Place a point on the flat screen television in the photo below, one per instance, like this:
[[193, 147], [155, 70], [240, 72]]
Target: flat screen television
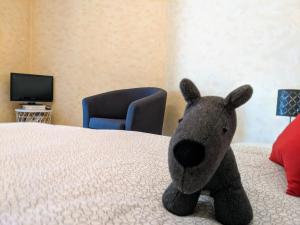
[[31, 88]]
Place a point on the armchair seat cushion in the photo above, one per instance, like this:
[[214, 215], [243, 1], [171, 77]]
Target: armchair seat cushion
[[104, 123]]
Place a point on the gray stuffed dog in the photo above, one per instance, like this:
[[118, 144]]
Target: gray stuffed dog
[[200, 157]]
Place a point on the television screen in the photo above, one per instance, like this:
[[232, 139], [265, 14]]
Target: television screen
[[31, 88]]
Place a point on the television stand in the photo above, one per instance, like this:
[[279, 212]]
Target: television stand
[[31, 103], [32, 115]]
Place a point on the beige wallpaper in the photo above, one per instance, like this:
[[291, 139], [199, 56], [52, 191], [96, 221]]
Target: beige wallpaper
[[99, 45], [14, 49], [223, 44]]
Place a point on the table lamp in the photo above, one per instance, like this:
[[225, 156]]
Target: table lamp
[[288, 103]]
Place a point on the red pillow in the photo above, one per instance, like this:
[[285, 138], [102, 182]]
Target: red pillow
[[286, 152]]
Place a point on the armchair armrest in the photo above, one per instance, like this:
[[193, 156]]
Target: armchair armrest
[[147, 114], [91, 107]]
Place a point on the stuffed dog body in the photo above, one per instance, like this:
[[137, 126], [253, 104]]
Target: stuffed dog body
[[200, 157]]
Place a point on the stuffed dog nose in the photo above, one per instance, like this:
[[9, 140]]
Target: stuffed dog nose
[[189, 153]]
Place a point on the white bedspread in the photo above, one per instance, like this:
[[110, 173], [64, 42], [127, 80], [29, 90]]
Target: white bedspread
[[67, 175]]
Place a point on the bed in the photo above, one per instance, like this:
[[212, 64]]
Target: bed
[[69, 175]]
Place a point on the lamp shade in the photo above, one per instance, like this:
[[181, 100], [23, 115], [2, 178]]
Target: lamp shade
[[288, 102]]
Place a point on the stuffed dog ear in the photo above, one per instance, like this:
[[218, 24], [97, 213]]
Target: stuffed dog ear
[[239, 96], [189, 91]]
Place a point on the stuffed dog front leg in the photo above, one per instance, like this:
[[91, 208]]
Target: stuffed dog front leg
[[231, 203]]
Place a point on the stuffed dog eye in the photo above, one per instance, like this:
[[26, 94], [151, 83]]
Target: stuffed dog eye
[[179, 120], [225, 129]]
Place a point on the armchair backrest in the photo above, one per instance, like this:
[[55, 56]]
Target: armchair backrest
[[114, 104]]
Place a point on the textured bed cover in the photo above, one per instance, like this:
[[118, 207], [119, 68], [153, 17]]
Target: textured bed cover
[[68, 175]]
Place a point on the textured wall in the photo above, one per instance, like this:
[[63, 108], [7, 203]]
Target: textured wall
[[99, 45], [14, 48], [96, 46], [223, 44]]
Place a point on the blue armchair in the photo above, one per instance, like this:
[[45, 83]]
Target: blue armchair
[[137, 109]]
